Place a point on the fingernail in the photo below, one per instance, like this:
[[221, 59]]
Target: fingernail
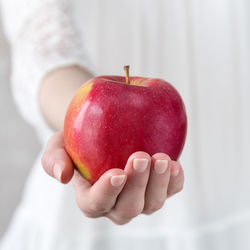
[[58, 172], [160, 166], [175, 172], [117, 180], [140, 165]]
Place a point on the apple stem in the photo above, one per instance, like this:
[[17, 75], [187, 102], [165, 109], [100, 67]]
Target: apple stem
[[126, 68]]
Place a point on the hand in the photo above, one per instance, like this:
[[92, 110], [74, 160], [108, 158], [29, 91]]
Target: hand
[[120, 195]]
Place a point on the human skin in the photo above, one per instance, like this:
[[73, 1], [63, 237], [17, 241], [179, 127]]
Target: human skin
[[120, 194]]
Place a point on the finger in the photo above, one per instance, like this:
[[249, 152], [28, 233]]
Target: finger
[[158, 183], [176, 180], [55, 160], [80, 183], [130, 202], [97, 200]]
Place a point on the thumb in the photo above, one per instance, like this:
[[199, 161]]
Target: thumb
[[55, 160]]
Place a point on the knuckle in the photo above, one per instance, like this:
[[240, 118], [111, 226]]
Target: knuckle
[[151, 207], [140, 184], [129, 213], [89, 212], [90, 215], [121, 222], [178, 189], [97, 208]]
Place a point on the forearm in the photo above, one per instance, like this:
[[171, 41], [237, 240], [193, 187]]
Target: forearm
[[56, 92]]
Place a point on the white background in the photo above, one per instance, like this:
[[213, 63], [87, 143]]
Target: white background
[[18, 143]]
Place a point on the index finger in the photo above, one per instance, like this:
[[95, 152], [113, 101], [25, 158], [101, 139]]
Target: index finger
[[97, 199]]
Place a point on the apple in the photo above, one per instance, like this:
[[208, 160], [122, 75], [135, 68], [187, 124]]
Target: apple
[[111, 117]]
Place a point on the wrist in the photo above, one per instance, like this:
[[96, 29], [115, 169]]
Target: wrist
[[56, 92]]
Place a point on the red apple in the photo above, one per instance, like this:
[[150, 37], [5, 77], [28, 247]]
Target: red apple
[[111, 117]]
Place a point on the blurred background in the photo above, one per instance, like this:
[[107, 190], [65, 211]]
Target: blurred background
[[18, 143], [209, 45]]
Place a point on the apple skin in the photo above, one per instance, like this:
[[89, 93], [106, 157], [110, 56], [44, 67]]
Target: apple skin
[[108, 120]]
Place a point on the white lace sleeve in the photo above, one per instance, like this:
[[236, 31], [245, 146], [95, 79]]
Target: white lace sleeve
[[42, 37]]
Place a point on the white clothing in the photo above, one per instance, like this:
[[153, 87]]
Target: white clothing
[[202, 48]]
